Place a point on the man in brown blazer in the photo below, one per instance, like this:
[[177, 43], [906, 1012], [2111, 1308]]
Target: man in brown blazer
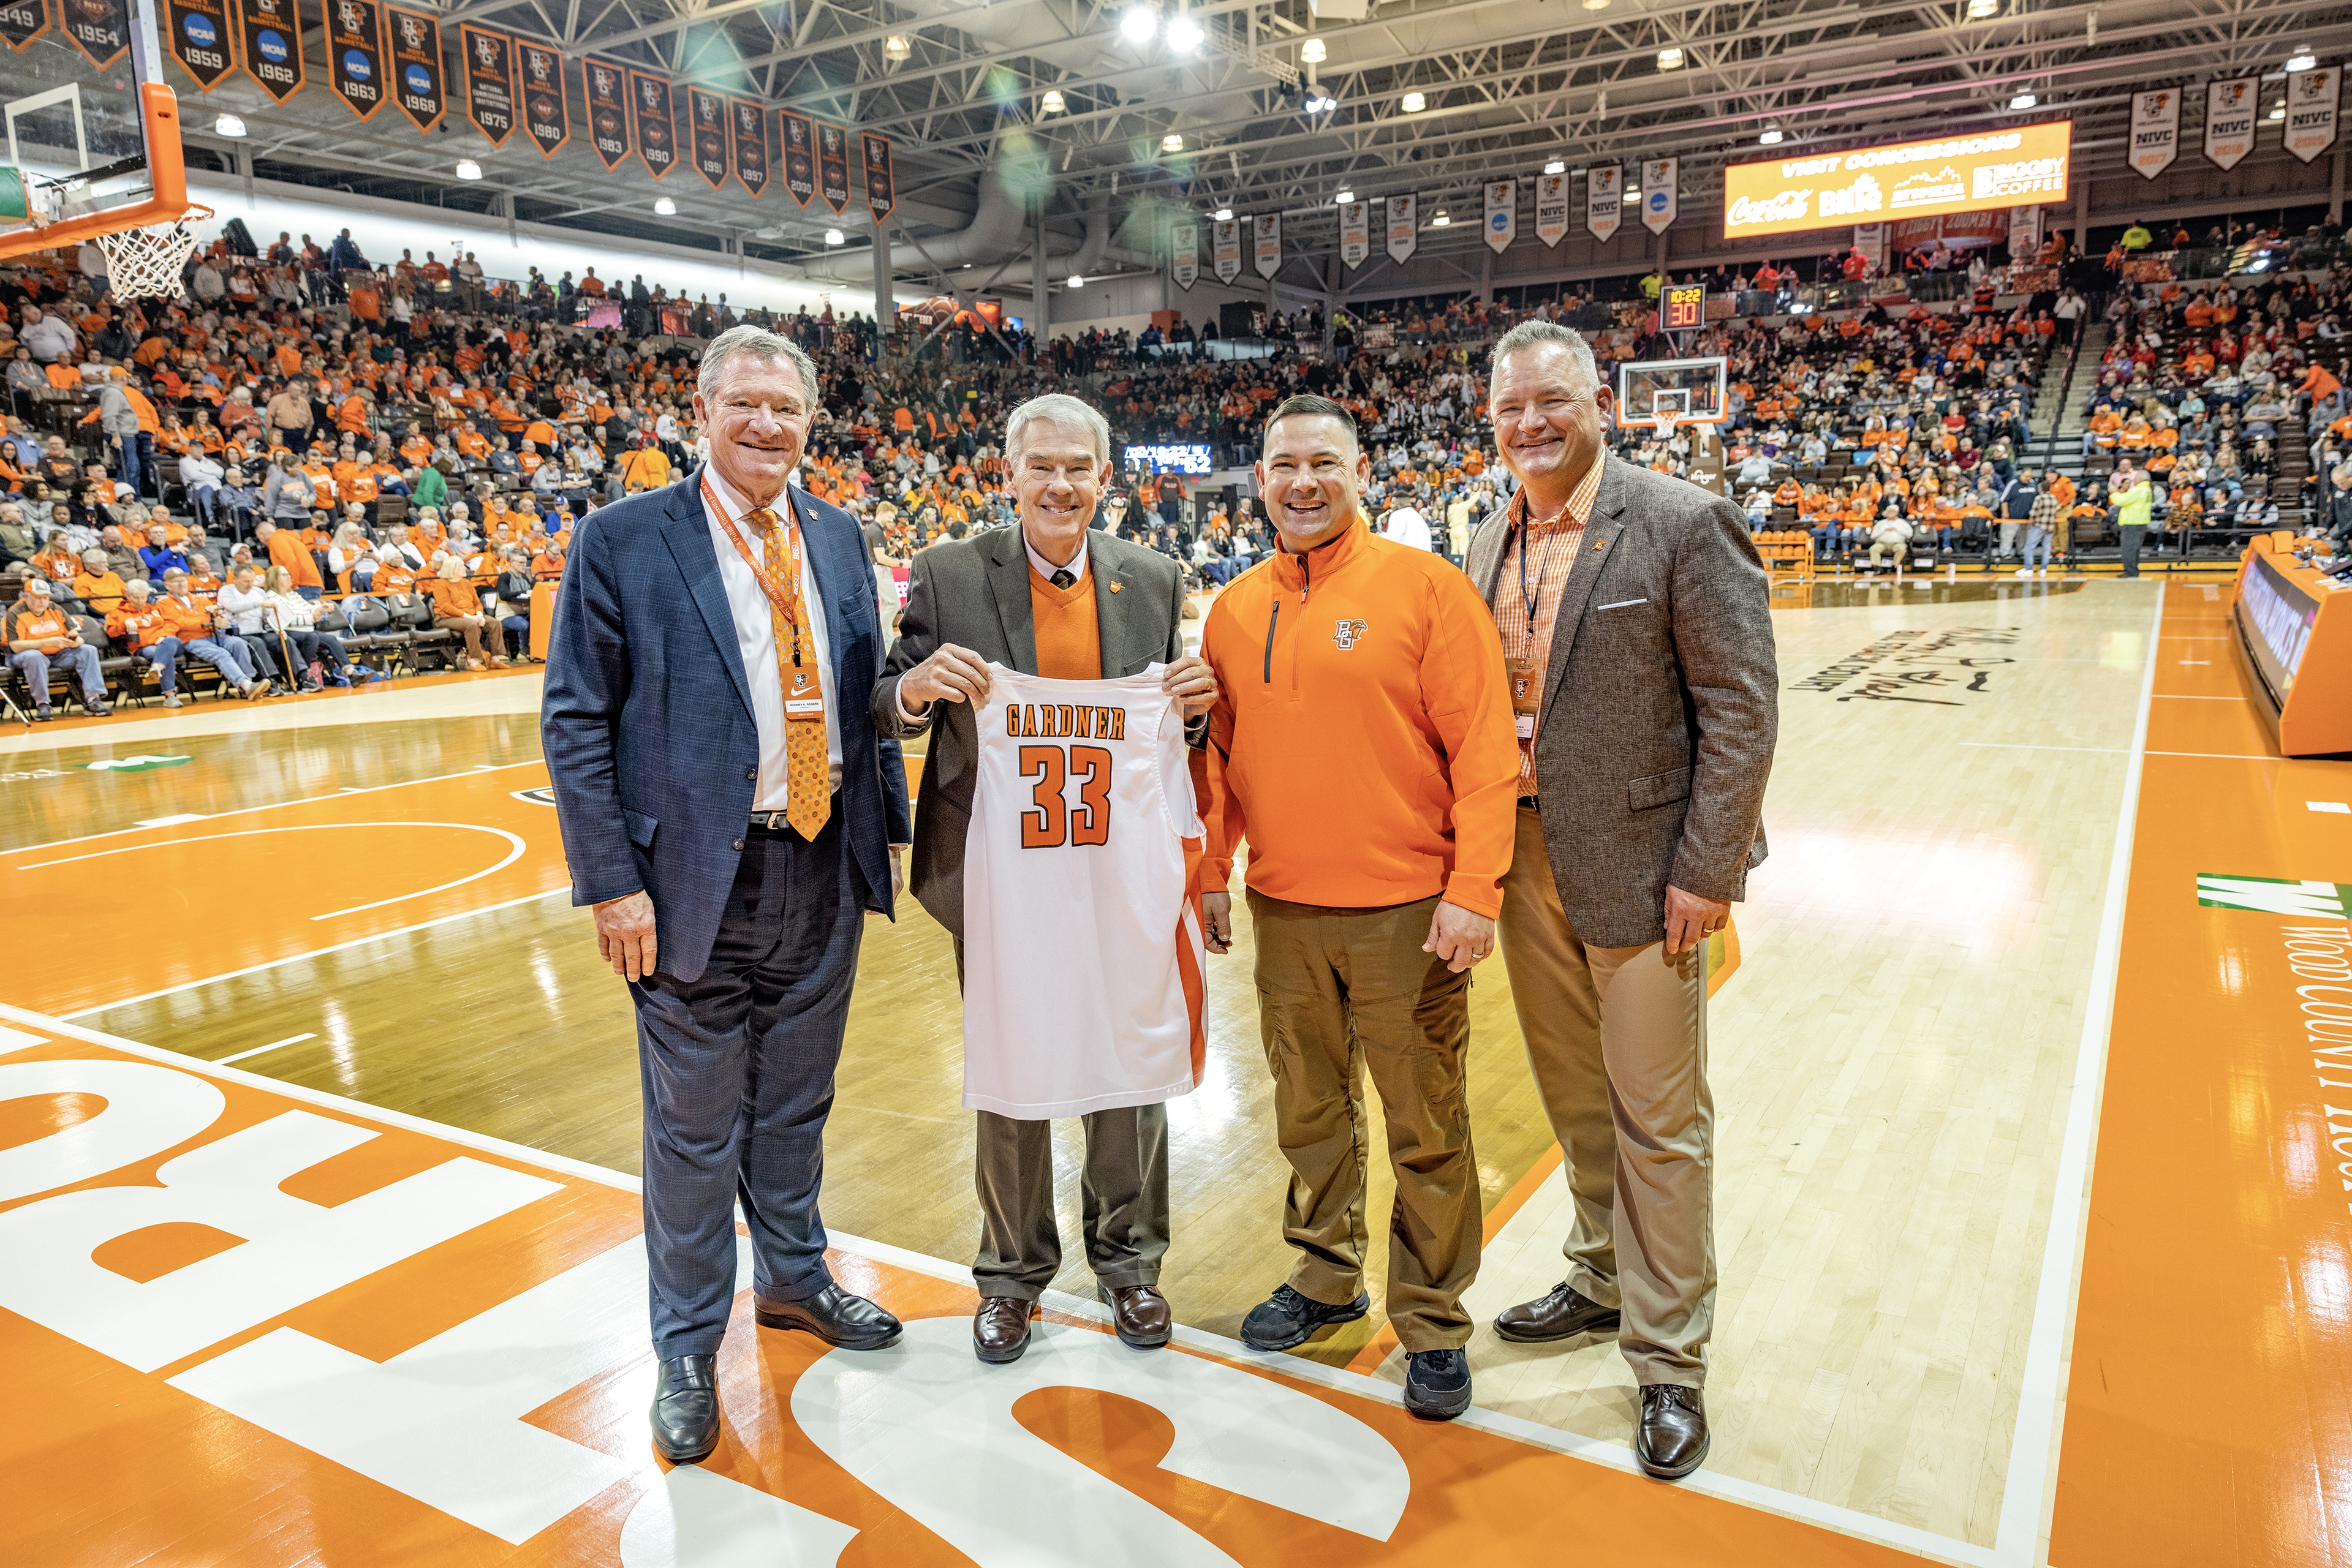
[[1053, 597], [1635, 632]]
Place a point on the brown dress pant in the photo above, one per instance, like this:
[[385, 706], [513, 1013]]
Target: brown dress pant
[[1617, 1037], [1337, 987]]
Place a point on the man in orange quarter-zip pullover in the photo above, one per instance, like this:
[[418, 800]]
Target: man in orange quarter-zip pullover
[[1362, 743]]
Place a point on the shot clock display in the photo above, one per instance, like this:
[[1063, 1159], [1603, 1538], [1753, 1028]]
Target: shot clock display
[[1682, 307]]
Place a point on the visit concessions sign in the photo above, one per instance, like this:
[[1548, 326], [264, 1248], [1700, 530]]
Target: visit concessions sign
[[1907, 178]]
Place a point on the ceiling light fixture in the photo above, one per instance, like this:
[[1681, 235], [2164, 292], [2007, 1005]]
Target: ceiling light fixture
[[1172, 143], [1596, 5], [1052, 103], [1981, 9], [835, 236], [1223, 214], [2024, 100], [1670, 59], [1320, 102], [1768, 136], [1185, 35], [1441, 220], [1555, 167], [1414, 103], [1076, 282], [228, 125], [1632, 197], [467, 168], [2278, 109], [1312, 52], [1139, 23], [665, 208], [1343, 198], [896, 48], [2302, 61]]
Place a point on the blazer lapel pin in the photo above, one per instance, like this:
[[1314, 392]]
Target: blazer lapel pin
[[1114, 588]]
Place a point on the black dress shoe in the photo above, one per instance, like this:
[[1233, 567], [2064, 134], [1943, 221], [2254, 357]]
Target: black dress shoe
[[1287, 1318], [1140, 1314], [1437, 1384], [999, 1329], [834, 1316], [1559, 1314], [1669, 1440], [685, 1408]]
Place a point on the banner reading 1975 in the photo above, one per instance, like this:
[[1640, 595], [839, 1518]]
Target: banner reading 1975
[[490, 81]]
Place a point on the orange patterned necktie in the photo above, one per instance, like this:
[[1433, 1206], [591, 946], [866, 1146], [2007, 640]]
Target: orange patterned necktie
[[808, 798]]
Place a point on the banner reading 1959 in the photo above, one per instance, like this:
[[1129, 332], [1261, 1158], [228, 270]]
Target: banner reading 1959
[[355, 55], [199, 40], [490, 81], [416, 71]]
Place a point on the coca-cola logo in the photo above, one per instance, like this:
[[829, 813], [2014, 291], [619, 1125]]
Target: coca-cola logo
[[1785, 207]]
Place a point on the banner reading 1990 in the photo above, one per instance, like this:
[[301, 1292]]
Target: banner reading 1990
[[655, 120]]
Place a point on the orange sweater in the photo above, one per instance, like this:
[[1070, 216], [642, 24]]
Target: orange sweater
[[1362, 740], [1069, 630]]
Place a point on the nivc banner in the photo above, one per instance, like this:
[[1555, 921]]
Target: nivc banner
[[749, 137], [1265, 244], [1403, 227], [1552, 209], [1502, 215], [1974, 172], [606, 87], [2311, 99], [355, 53], [546, 119], [416, 71], [2024, 234], [2155, 132], [1604, 201], [199, 40], [1661, 193], [881, 182], [655, 120], [1871, 240], [833, 166], [705, 119], [1226, 248], [1185, 254], [2233, 109], [800, 155], [490, 81], [1355, 232]]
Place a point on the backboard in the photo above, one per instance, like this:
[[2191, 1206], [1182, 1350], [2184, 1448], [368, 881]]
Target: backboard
[[89, 122], [1657, 394]]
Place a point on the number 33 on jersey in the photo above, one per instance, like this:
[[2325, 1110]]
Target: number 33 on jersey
[[1083, 954]]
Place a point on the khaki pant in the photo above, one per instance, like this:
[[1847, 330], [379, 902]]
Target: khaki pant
[[1336, 986], [1617, 1038]]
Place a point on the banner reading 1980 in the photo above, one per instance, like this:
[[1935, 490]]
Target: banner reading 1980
[[545, 117]]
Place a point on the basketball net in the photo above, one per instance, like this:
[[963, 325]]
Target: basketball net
[[144, 262]]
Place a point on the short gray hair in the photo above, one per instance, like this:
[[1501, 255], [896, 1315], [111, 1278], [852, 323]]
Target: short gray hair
[[1058, 408], [1529, 335], [756, 343]]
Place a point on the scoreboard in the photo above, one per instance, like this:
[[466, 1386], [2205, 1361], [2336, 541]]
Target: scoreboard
[[1682, 307]]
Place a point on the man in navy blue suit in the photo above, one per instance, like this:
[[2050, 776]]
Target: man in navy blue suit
[[730, 815]]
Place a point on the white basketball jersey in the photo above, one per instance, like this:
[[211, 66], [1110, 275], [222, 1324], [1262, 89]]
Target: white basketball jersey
[[1082, 956]]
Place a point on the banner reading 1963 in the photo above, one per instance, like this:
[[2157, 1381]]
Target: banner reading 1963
[[199, 41], [749, 137], [546, 119], [490, 81], [706, 115], [800, 155], [355, 53], [416, 71]]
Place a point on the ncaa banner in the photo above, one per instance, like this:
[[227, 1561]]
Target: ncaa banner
[[2311, 97], [271, 32], [199, 40], [706, 115], [606, 87], [800, 155], [98, 28], [1265, 244], [1604, 201], [2155, 132], [2233, 108], [416, 69], [22, 21], [1404, 227], [654, 116], [490, 81], [833, 166], [546, 119], [1226, 248], [748, 134], [1185, 254], [1660, 196], [1356, 232], [355, 55], [1502, 215], [1552, 209], [881, 182]]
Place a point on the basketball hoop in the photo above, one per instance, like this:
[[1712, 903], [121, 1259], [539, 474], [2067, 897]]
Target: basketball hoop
[[142, 262]]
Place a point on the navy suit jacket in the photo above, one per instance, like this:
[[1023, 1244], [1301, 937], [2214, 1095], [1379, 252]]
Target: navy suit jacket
[[646, 717]]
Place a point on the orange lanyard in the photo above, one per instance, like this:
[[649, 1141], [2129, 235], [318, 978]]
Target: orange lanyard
[[784, 597]]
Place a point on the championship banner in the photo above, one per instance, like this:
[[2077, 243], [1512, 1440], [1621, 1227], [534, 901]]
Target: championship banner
[[199, 40], [655, 119], [1265, 244], [99, 28], [748, 135], [833, 166], [2233, 109], [271, 32], [1184, 249], [881, 181], [1226, 248], [355, 55], [546, 118], [1502, 215], [2155, 132], [606, 87], [2024, 235], [490, 81], [1552, 209], [1356, 232], [706, 117], [800, 155], [1403, 227], [2311, 98], [22, 21], [416, 69], [1604, 201], [1871, 240], [1661, 198]]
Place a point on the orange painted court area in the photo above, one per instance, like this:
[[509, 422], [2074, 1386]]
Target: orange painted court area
[[156, 908]]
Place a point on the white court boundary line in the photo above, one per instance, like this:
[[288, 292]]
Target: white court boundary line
[[515, 847]]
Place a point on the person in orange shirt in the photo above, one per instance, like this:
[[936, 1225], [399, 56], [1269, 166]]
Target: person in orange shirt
[[284, 547], [471, 444], [160, 628], [40, 635], [457, 606]]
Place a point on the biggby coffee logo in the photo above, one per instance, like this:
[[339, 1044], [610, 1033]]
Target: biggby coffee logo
[[2275, 895]]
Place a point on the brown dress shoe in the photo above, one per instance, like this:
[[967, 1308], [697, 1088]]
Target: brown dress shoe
[[1140, 1315], [999, 1329], [1670, 1439], [1558, 1314]]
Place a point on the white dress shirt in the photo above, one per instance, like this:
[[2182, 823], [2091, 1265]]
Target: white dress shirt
[[1077, 566], [755, 635], [1406, 525]]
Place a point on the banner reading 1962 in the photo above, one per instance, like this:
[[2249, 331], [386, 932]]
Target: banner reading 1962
[[271, 31]]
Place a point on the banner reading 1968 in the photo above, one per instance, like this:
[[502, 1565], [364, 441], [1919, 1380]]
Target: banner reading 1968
[[489, 82], [355, 55], [416, 69]]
